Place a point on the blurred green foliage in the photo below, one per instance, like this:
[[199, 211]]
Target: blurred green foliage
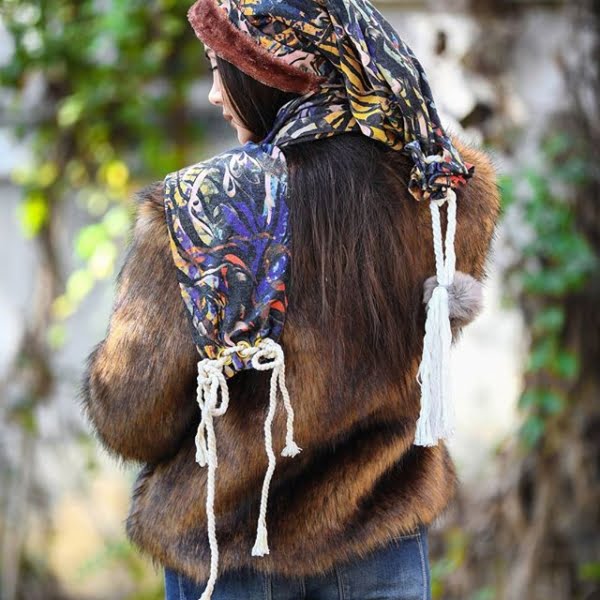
[[557, 261], [456, 546], [590, 571], [113, 116], [452, 559]]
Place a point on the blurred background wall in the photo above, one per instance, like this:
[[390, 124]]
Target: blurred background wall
[[100, 98]]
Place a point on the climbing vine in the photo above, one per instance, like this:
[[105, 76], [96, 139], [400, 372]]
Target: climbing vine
[[555, 262]]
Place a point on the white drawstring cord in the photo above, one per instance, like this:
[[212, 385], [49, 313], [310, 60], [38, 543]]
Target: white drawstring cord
[[273, 351], [436, 419], [210, 379]]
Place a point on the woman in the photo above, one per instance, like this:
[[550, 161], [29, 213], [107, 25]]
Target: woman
[[300, 263]]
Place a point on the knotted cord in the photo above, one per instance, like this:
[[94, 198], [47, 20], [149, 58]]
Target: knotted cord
[[436, 419], [211, 379]]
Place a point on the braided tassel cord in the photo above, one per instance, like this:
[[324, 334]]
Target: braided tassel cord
[[211, 379], [272, 351], [436, 419]]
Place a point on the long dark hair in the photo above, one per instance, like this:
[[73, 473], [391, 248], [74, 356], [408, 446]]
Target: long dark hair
[[350, 216]]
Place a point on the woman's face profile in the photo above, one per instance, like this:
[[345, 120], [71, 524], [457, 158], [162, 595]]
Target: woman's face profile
[[218, 97]]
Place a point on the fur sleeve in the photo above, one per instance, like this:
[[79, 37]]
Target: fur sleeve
[[138, 385]]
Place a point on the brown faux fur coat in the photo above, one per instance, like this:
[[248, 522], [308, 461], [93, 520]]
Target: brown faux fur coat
[[359, 481]]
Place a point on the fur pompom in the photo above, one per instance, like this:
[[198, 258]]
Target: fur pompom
[[465, 297]]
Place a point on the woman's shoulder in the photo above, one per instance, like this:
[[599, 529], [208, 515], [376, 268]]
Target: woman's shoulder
[[249, 163], [245, 166]]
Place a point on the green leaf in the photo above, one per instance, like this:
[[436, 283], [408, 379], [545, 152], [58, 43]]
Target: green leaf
[[589, 571], [550, 320], [89, 238], [532, 430], [117, 221], [102, 262], [566, 365], [79, 285], [539, 186], [557, 144], [56, 336], [575, 171], [47, 174], [507, 190], [33, 214], [529, 399], [542, 355], [70, 111], [552, 402], [62, 307], [546, 282]]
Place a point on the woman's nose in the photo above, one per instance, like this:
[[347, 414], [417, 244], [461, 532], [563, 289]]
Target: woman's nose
[[214, 96]]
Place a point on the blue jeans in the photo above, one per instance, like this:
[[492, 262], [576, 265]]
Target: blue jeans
[[398, 571]]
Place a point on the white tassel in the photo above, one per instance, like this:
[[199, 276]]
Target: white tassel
[[211, 379], [272, 350], [291, 448], [261, 545], [436, 419]]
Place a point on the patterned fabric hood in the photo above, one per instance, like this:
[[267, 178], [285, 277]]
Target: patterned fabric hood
[[228, 219]]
